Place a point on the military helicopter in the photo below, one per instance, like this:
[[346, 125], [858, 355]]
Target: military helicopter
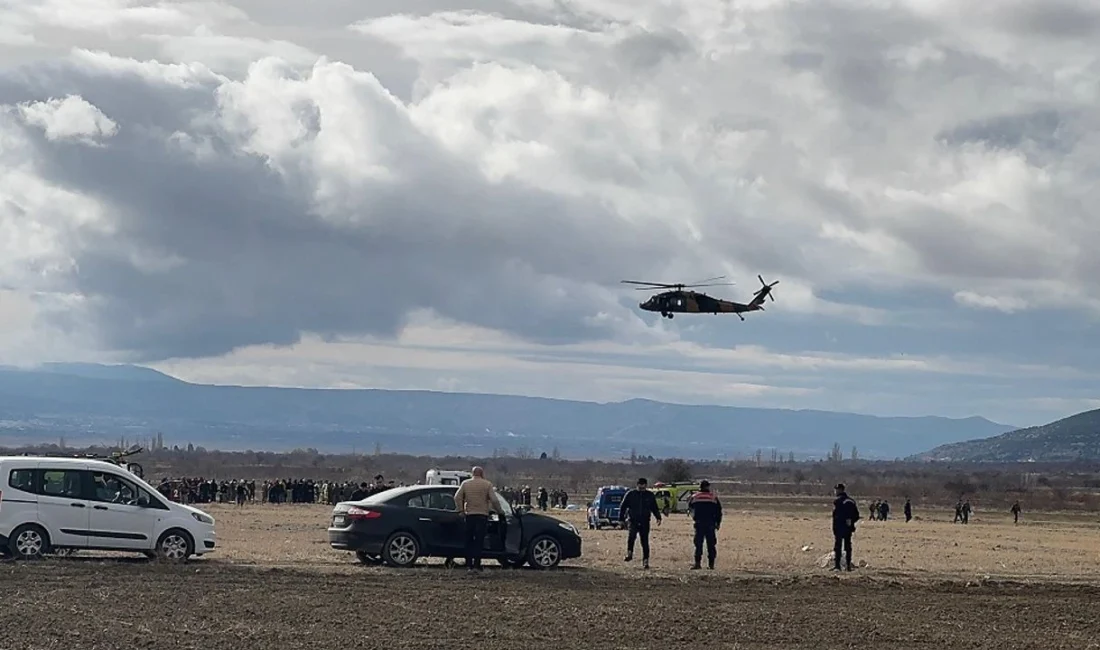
[[680, 301]]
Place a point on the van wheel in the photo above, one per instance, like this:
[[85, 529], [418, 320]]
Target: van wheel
[[29, 542], [175, 545]]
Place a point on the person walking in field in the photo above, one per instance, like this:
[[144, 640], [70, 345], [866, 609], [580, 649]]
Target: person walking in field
[[845, 516], [706, 512], [908, 510], [639, 505], [475, 498], [1016, 512]]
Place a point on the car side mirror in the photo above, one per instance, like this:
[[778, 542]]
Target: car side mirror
[[143, 501]]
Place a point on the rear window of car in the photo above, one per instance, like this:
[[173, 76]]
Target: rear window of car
[[22, 479]]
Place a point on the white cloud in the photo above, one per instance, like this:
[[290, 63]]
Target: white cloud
[[268, 171], [1006, 304], [69, 118]]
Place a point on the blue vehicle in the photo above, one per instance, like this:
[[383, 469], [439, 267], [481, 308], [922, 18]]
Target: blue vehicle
[[604, 509]]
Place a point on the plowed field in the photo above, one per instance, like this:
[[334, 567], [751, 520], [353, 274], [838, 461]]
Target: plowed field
[[276, 584]]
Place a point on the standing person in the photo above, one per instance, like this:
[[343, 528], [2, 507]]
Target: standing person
[[640, 505], [966, 512], [474, 499], [845, 516], [706, 512], [1016, 512], [908, 510]]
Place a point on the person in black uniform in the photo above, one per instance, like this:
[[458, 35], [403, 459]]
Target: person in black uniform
[[706, 512], [639, 505], [845, 516], [908, 510]]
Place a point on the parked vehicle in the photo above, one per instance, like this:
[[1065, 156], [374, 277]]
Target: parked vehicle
[[446, 477], [604, 509], [673, 497], [401, 525], [57, 505]]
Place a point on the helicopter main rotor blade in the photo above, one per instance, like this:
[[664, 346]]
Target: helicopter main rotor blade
[[662, 285], [717, 277]]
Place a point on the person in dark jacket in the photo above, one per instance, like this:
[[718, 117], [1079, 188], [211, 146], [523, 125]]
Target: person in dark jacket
[[639, 505], [361, 493], [908, 511], [845, 516], [706, 512]]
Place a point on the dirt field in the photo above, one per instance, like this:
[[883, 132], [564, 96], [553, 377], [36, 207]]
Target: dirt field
[[274, 583]]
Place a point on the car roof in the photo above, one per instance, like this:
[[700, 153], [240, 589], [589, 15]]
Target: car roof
[[60, 461]]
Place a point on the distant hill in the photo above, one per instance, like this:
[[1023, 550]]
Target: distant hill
[[1074, 438], [94, 403]]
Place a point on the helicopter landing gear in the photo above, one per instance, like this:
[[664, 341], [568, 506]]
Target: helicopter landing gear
[[667, 314]]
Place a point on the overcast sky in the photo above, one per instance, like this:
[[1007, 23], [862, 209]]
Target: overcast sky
[[445, 195]]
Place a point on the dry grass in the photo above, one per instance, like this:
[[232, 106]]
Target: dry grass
[[1053, 547]]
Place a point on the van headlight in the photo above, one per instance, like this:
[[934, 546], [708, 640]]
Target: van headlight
[[203, 519]]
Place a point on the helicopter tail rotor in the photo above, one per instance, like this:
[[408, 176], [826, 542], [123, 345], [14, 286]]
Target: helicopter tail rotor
[[766, 289]]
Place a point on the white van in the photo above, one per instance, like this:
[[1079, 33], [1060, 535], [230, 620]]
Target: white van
[[446, 477], [49, 504]]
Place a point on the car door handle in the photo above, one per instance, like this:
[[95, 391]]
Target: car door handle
[[425, 519], [100, 507], [77, 505]]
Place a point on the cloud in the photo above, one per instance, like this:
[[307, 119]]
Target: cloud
[[264, 174], [70, 118], [1006, 304]]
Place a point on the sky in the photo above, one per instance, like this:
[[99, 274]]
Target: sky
[[445, 195]]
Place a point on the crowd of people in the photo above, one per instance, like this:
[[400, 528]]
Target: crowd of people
[[199, 490], [207, 490]]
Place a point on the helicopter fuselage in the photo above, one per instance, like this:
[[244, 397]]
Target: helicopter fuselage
[[692, 302]]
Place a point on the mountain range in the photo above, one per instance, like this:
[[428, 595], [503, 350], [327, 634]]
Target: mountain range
[[99, 404], [1069, 439]]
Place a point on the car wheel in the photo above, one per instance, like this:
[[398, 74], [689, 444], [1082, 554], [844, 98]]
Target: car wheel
[[29, 542], [368, 558], [544, 552], [175, 545], [401, 550]]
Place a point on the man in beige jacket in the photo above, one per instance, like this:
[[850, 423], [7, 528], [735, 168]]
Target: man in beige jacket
[[475, 498]]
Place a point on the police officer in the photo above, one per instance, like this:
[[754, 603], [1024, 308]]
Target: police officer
[[639, 504], [845, 516], [706, 511]]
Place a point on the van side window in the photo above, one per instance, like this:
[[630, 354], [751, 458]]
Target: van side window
[[65, 483], [112, 488], [22, 479]]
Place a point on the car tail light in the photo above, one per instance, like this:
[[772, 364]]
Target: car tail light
[[363, 513]]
